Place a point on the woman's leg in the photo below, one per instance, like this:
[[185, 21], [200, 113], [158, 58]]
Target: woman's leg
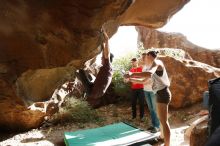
[[162, 110]]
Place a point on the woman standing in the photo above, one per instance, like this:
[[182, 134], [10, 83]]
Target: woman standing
[[160, 87]]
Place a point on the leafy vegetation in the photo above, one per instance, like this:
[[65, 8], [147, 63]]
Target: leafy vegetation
[[121, 65], [77, 110]]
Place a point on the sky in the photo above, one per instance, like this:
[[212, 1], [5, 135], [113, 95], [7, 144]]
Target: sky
[[125, 40], [199, 21]]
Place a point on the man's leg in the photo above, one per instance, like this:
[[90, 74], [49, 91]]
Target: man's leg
[[81, 75], [214, 139], [146, 98], [206, 100], [215, 120], [155, 119], [133, 103], [150, 99], [141, 102]]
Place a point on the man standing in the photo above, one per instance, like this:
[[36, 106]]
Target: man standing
[[151, 103], [137, 91], [150, 97]]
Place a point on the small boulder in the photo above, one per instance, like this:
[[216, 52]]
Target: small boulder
[[199, 135]]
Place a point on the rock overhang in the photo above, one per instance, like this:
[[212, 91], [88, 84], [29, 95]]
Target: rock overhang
[[42, 37]]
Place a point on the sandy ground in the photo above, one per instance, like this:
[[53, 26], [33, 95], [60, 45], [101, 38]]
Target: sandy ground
[[53, 135]]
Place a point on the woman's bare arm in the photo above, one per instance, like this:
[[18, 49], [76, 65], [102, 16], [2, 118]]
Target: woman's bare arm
[[145, 74], [138, 81], [140, 75]]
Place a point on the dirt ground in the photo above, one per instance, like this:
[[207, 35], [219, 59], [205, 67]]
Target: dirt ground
[[52, 135]]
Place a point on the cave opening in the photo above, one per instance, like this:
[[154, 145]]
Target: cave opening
[[124, 41], [42, 55]]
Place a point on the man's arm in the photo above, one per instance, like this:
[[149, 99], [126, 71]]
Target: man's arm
[[106, 51]]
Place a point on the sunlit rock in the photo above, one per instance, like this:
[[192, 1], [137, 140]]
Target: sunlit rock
[[39, 34], [190, 74]]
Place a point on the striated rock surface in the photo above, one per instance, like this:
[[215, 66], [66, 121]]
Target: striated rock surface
[[189, 74], [38, 38]]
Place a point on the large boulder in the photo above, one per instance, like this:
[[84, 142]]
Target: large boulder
[[156, 39], [187, 83], [38, 85], [14, 114], [190, 74], [45, 35]]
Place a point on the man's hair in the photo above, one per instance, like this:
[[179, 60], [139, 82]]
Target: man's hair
[[144, 54], [111, 57], [134, 59], [153, 53]]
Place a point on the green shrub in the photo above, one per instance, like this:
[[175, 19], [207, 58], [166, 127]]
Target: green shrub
[[82, 112], [123, 64], [76, 110], [120, 65]]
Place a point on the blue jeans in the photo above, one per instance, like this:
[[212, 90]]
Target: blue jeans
[[151, 103], [206, 99]]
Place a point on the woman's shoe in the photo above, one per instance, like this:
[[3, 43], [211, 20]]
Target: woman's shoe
[[159, 139]]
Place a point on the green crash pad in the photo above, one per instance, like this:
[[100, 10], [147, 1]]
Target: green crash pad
[[111, 135]]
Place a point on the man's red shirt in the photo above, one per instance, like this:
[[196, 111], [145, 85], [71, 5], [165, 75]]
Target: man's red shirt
[[133, 85]]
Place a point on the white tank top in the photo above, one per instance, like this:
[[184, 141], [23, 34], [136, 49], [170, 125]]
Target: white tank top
[[160, 82], [148, 85]]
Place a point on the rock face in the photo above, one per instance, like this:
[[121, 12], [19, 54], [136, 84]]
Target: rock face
[[189, 75], [39, 38], [199, 135], [38, 85], [187, 83], [157, 39], [14, 112]]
